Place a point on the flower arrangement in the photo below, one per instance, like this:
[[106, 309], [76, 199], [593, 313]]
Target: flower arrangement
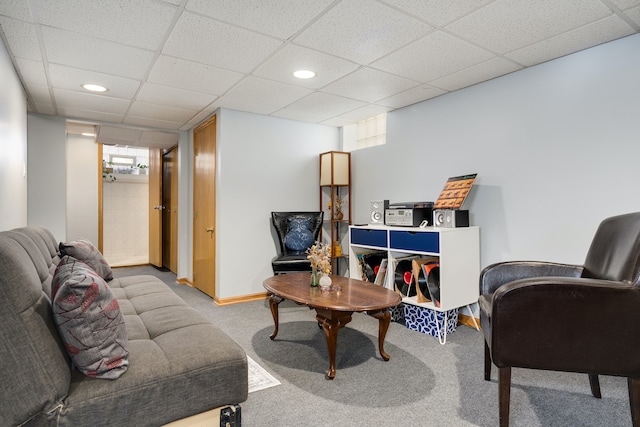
[[320, 256]]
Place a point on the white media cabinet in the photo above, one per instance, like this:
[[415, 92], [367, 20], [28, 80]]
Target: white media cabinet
[[458, 250]]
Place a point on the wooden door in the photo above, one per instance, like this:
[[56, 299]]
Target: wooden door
[[170, 211], [155, 207], [204, 196]]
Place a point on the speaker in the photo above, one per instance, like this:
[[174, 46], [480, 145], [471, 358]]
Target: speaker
[[450, 218], [377, 211]]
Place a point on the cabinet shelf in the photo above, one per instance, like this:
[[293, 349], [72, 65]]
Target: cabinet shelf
[[457, 249]]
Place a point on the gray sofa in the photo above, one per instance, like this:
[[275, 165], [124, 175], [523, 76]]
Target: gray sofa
[[179, 363]]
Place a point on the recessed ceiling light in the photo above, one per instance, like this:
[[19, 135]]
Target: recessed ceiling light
[[87, 134], [304, 74], [95, 88]]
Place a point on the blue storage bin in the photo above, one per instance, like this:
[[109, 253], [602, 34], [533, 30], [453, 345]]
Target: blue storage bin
[[430, 322], [369, 237], [422, 241]]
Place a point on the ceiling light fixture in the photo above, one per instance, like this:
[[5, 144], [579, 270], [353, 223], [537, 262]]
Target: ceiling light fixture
[[87, 134], [304, 74], [94, 88]]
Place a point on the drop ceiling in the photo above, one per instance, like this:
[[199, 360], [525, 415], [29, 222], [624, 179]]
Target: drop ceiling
[[170, 64]]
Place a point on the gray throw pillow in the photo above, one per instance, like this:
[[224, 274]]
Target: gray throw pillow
[[83, 250], [89, 320]]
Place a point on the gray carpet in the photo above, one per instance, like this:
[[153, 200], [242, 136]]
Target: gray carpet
[[424, 383]]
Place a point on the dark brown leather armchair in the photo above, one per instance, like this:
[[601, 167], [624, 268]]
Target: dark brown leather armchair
[[569, 318], [296, 232]]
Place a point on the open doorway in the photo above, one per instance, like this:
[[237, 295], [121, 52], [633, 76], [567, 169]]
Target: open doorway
[[125, 201]]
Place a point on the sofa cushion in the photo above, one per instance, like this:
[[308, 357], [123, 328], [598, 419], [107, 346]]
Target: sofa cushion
[[89, 320], [299, 236], [83, 250]]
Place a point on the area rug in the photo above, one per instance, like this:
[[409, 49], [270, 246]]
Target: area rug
[[259, 378]]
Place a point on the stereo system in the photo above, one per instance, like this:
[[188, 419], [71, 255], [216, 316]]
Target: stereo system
[[377, 211], [450, 218], [409, 214]]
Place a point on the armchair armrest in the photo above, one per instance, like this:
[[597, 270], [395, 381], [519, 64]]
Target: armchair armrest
[[496, 275], [567, 324]]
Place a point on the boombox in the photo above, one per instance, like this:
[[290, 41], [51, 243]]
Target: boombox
[[450, 218], [409, 214], [377, 211]]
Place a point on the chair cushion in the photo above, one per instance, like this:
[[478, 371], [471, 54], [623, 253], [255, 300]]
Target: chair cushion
[[89, 320], [84, 251], [299, 237]]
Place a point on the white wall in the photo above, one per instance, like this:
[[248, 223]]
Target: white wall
[[556, 148], [13, 146], [48, 173], [82, 189], [264, 164]]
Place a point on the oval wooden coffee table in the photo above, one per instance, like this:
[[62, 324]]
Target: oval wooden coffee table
[[335, 306]]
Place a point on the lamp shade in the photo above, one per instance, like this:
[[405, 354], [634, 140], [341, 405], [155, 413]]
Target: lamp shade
[[334, 168]]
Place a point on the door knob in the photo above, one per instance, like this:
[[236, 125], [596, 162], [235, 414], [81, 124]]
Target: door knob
[[209, 230]]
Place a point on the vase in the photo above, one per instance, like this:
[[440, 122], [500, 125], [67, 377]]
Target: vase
[[315, 277], [325, 281], [339, 215]]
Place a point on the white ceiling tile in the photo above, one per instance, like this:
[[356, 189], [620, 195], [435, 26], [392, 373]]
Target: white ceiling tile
[[88, 53], [277, 18], [69, 78], [105, 104], [40, 94], [602, 31], [634, 14], [240, 54], [302, 116], [18, 9], [77, 113], [32, 72], [625, 4], [267, 95], [432, 57], [218, 44], [438, 12], [22, 38], [413, 96], [484, 71], [323, 105], [179, 98], [369, 85], [183, 74], [145, 121], [365, 112], [141, 23], [522, 23], [362, 30], [160, 112], [281, 66], [45, 109]]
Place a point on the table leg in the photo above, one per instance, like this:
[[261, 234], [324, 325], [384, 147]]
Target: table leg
[[274, 300], [331, 322], [384, 319]]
